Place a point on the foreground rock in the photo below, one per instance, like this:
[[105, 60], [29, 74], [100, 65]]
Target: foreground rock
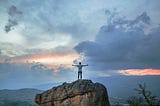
[[78, 93]]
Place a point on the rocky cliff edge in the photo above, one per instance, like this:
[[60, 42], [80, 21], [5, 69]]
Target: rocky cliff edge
[[77, 93]]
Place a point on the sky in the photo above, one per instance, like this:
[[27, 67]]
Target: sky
[[41, 39]]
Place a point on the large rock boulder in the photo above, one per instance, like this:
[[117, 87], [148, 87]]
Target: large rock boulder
[[78, 93]]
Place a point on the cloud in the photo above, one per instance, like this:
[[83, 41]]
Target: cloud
[[114, 19], [123, 44], [10, 24], [140, 72], [16, 75], [14, 15], [16, 51], [43, 22]]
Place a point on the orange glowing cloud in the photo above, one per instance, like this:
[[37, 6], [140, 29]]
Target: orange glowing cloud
[[140, 72], [48, 59], [1, 60], [53, 59]]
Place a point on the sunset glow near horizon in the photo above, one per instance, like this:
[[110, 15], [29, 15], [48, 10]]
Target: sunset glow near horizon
[[140, 72], [54, 61], [51, 61], [44, 38]]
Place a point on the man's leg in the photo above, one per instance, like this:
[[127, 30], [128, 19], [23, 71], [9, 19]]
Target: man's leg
[[81, 75], [78, 75]]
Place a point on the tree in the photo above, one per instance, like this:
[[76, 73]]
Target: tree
[[150, 99]]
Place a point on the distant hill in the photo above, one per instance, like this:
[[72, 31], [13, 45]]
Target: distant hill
[[21, 97]]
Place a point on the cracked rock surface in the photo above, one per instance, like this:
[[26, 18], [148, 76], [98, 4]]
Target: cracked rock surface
[[78, 93]]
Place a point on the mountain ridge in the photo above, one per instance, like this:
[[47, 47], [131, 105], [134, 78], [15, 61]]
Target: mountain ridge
[[21, 97]]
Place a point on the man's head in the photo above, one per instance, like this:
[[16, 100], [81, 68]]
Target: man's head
[[79, 62]]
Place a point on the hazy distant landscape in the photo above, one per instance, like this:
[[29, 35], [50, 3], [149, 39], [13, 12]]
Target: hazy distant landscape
[[21, 97], [120, 88]]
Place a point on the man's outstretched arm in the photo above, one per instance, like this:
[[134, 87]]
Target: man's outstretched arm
[[74, 65], [85, 65]]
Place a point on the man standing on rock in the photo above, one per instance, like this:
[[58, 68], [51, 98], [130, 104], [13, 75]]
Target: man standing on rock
[[79, 66]]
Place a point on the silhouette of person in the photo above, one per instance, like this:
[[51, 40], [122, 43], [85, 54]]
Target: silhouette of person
[[79, 66]]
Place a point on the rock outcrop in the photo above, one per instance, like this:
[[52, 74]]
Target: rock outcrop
[[78, 93]]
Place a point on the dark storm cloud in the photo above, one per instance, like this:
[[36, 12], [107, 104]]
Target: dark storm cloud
[[13, 13], [10, 24], [122, 44], [38, 66], [114, 19]]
